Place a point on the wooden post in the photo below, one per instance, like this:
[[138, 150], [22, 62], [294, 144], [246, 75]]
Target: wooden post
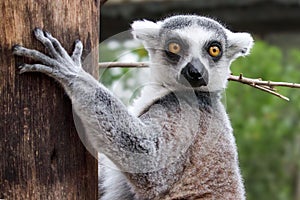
[[41, 155]]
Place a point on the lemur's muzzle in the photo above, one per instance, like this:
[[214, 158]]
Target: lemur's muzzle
[[194, 74]]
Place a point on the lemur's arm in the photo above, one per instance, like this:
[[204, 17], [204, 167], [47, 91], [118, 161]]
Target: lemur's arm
[[111, 129]]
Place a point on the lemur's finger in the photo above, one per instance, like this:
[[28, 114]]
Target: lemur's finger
[[39, 34], [35, 68], [76, 56], [57, 45], [36, 55], [42, 69]]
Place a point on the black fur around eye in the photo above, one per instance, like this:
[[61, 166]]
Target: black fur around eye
[[214, 49], [174, 48], [172, 56]]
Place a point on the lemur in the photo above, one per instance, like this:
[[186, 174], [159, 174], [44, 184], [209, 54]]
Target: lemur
[[177, 141]]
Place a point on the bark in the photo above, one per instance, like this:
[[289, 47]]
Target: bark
[[42, 156]]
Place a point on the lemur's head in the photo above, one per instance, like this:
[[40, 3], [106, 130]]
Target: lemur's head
[[191, 51]]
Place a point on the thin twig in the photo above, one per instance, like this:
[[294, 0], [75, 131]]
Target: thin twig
[[270, 91], [261, 82], [266, 86], [123, 64]]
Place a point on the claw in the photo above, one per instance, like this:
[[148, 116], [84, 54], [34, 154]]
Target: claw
[[77, 40], [22, 68], [17, 49], [38, 32], [37, 29], [78, 44], [47, 34], [15, 46]]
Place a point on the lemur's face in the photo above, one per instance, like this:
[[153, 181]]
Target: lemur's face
[[191, 51], [192, 57]]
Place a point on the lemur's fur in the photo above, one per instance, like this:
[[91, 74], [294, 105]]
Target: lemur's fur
[[177, 141]]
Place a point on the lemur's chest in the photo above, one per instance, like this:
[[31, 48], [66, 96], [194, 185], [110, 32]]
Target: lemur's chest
[[201, 132], [211, 166]]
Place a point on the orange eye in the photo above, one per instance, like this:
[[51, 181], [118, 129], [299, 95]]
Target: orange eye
[[174, 48], [214, 51]]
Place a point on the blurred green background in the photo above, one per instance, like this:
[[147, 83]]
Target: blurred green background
[[266, 128]]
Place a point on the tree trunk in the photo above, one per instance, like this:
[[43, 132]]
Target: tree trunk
[[42, 156]]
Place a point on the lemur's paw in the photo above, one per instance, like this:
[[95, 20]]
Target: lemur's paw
[[55, 48], [58, 64]]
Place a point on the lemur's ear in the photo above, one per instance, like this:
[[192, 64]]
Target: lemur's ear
[[145, 30], [239, 44]]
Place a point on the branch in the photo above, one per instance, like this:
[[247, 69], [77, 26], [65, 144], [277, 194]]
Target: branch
[[261, 82], [123, 64], [266, 86]]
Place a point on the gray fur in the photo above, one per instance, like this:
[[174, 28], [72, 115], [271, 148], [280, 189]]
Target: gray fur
[[177, 142], [183, 21]]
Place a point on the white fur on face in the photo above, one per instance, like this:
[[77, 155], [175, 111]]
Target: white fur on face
[[197, 36]]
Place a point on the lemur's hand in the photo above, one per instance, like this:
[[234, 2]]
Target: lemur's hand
[[59, 65]]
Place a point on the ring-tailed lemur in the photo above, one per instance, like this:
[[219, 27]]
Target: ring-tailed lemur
[[178, 142]]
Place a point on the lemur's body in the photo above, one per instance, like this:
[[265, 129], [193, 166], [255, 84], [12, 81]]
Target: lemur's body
[[178, 144], [208, 169]]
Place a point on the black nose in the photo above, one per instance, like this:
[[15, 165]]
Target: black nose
[[194, 74]]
